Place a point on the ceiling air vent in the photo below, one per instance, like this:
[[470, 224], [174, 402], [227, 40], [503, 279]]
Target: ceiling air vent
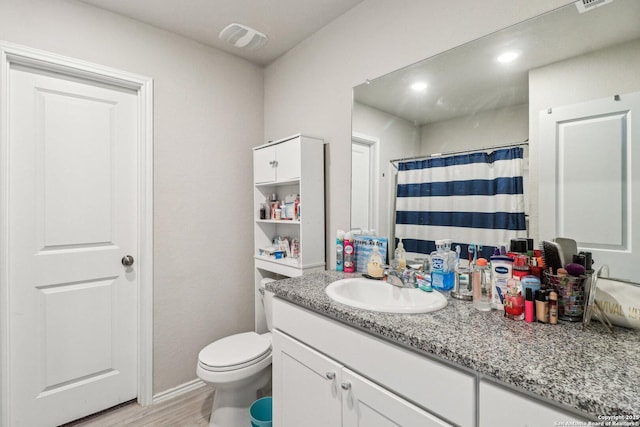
[[242, 36], [587, 5]]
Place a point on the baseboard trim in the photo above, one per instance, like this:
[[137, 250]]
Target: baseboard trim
[[177, 391]]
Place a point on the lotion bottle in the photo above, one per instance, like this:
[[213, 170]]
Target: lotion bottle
[[400, 257]]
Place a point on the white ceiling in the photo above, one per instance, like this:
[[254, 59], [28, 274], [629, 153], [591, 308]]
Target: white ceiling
[[468, 80], [285, 22]]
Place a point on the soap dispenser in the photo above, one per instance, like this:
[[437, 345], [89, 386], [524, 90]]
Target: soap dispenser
[[400, 257], [374, 265]]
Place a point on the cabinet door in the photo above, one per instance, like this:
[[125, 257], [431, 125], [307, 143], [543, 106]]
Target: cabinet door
[[367, 404], [264, 169], [500, 407], [305, 386], [288, 160]]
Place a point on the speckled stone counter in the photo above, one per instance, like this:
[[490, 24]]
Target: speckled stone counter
[[589, 370]]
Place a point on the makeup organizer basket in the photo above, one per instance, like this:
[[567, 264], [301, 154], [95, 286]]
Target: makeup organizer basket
[[571, 295]]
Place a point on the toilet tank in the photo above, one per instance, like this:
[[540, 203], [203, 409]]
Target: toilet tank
[[267, 297]]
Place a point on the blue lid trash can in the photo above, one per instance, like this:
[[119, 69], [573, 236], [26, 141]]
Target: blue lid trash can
[[261, 412]]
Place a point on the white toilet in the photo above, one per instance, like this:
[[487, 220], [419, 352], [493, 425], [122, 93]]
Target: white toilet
[[237, 366]]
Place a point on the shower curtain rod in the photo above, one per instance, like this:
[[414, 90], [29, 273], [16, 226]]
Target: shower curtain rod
[[394, 162]]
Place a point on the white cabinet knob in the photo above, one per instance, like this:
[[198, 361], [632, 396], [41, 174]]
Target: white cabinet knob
[[346, 385], [330, 375]]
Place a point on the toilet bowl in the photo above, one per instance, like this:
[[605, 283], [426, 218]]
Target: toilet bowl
[[237, 366]]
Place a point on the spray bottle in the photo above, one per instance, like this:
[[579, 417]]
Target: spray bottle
[[349, 253], [340, 250]]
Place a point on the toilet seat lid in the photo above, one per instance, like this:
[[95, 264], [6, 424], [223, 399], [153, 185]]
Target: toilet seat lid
[[234, 350]]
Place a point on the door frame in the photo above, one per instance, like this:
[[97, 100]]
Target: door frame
[[12, 55]]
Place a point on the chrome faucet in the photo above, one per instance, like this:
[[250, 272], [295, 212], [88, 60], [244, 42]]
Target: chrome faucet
[[401, 279]]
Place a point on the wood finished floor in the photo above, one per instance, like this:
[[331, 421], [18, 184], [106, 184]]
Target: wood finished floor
[[191, 409]]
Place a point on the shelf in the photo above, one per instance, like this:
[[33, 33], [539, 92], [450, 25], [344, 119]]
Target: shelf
[[278, 221], [277, 183], [286, 266], [290, 267]]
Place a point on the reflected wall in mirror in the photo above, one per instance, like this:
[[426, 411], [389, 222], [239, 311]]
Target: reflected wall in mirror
[[469, 100]]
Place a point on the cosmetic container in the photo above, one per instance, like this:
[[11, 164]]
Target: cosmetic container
[[553, 307], [514, 301], [542, 306], [529, 312]]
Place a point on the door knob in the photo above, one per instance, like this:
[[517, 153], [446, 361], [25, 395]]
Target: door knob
[[127, 260], [330, 375], [346, 385]]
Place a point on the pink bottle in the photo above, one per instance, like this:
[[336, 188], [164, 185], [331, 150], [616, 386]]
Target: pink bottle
[[349, 254]]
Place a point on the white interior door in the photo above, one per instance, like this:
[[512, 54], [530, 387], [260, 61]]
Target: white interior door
[[72, 216], [361, 186], [589, 190]]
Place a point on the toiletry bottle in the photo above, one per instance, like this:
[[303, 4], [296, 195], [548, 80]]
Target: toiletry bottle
[[295, 207], [529, 312], [340, 250], [400, 257], [501, 269], [283, 210], [295, 248], [349, 253], [542, 306], [553, 307], [453, 257], [374, 265], [514, 301], [441, 275], [481, 285]]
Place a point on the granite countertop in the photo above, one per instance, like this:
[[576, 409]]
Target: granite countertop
[[589, 370]]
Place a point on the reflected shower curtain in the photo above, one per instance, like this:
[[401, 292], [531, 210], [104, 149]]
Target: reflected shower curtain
[[469, 198]]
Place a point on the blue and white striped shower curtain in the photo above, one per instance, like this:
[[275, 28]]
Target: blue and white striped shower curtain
[[469, 198]]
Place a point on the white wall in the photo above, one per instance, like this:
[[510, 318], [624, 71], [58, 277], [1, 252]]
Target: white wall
[[208, 113], [485, 129], [308, 89], [398, 138]]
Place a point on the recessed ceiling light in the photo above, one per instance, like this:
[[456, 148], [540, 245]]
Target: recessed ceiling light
[[419, 86], [508, 57]]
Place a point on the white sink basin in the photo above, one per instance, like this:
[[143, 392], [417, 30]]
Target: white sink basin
[[377, 295]]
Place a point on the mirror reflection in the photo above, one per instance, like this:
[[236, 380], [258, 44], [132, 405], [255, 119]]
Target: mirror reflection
[[511, 89]]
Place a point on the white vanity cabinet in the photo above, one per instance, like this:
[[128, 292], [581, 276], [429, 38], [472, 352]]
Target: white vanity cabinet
[[327, 374], [365, 403], [305, 386], [500, 407], [312, 390], [288, 167]]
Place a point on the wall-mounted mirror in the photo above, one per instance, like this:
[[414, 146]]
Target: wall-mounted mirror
[[470, 100]]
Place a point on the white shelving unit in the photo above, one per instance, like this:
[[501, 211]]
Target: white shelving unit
[[289, 166]]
